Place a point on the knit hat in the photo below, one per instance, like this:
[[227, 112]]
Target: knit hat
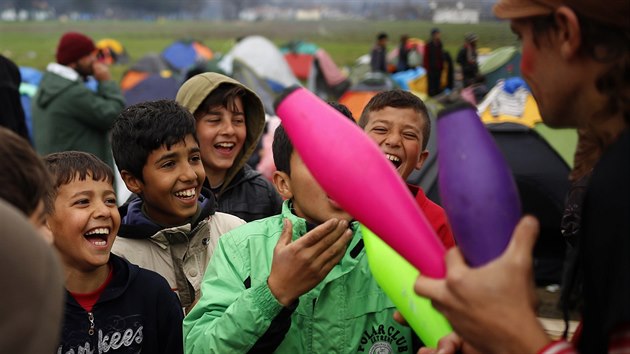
[[613, 12], [72, 47]]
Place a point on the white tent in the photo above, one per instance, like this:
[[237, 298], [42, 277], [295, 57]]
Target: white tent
[[263, 57]]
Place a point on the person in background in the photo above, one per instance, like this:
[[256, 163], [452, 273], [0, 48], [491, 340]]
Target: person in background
[[467, 59], [403, 53], [434, 62], [12, 116], [229, 121], [378, 55], [576, 60], [66, 114]]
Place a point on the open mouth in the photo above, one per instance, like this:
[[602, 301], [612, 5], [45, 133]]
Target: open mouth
[[225, 147], [98, 236], [187, 194], [395, 160]]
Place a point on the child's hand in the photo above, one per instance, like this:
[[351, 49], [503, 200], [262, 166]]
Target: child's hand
[[299, 266]]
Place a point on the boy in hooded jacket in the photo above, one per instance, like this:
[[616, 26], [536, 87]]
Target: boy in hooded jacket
[[230, 120], [297, 282], [173, 227], [111, 305]]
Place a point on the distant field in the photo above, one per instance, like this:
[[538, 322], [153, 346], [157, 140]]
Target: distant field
[[33, 43]]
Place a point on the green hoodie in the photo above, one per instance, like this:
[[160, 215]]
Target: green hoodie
[[346, 313]]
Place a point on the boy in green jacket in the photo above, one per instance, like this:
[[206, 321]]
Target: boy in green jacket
[[297, 282]]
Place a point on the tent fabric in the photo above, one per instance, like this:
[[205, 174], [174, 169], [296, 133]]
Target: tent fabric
[[360, 93], [181, 55], [329, 69], [151, 88], [404, 78], [149, 79], [260, 54], [300, 64], [149, 64], [511, 101], [501, 63], [356, 101], [244, 74]]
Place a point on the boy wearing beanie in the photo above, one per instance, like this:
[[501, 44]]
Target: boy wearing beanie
[[66, 114]]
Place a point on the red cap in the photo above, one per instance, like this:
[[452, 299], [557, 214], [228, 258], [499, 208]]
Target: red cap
[[72, 47]]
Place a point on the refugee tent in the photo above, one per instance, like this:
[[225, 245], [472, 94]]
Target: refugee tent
[[149, 79], [111, 51], [360, 94], [244, 74], [313, 64], [500, 63], [264, 58], [183, 54], [540, 174]]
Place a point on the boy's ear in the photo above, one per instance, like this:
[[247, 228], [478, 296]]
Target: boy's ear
[[282, 182], [133, 183], [422, 159]]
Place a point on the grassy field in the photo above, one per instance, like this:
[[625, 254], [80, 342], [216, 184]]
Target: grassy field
[[33, 43]]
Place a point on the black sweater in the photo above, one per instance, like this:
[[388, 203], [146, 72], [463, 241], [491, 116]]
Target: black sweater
[[137, 312]]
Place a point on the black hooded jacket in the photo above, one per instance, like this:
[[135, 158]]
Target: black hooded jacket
[[137, 312]]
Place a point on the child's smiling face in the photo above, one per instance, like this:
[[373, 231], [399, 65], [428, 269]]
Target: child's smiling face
[[84, 222]]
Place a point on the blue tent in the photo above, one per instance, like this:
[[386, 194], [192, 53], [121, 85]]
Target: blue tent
[[154, 87], [182, 55]]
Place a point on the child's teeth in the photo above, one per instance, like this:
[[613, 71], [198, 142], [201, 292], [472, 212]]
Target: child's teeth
[[100, 230], [186, 193]]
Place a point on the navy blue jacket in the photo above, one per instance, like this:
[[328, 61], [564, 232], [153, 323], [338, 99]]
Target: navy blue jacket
[[137, 312]]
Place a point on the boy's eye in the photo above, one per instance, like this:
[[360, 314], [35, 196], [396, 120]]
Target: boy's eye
[[410, 135], [212, 118], [379, 129], [195, 158], [168, 164], [81, 202], [110, 201]]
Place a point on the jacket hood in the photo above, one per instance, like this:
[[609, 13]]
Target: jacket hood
[[56, 80], [197, 88]]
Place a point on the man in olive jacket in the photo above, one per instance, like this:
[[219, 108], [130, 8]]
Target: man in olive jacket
[[66, 114]]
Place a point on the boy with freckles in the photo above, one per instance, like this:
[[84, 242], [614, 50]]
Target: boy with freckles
[[398, 121], [111, 305], [173, 227]]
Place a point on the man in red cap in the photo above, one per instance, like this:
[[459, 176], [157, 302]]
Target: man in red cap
[[576, 60], [66, 114]]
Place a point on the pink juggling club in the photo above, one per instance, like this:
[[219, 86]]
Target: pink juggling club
[[476, 185], [351, 168]]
